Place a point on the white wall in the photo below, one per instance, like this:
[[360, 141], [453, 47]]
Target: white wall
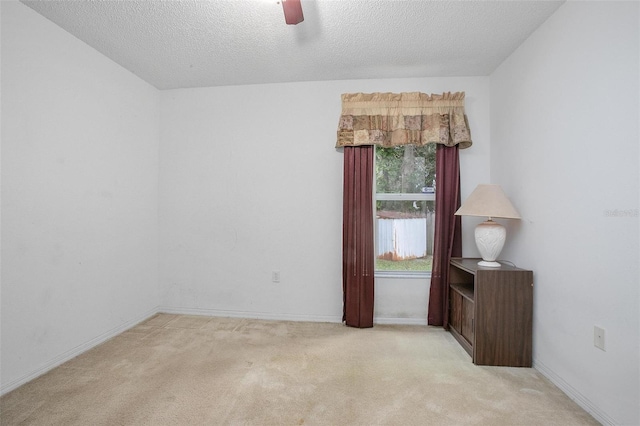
[[250, 182], [564, 145], [79, 196]]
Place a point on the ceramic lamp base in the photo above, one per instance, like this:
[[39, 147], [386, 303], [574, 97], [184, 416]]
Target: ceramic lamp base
[[490, 238]]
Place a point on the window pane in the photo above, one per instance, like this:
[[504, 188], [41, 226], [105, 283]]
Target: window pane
[[404, 234], [406, 169]]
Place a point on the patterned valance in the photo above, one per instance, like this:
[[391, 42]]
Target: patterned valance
[[394, 119]]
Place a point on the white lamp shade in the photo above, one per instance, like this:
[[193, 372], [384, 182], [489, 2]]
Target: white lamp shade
[[489, 201]]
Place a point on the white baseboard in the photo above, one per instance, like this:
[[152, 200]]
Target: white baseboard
[[281, 316], [574, 394], [72, 353], [247, 314], [400, 321]]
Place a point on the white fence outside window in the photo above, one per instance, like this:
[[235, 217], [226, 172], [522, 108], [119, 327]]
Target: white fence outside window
[[401, 239]]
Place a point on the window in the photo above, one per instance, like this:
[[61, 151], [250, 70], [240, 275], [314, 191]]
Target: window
[[404, 203]]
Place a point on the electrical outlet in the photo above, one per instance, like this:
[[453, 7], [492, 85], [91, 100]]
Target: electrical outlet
[[275, 276], [598, 337]]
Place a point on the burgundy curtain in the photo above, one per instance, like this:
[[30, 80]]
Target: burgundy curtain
[[447, 233], [357, 237]]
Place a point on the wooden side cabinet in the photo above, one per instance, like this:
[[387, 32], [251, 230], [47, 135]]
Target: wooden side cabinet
[[491, 312]]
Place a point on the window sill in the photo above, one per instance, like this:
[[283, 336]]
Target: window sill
[[403, 274]]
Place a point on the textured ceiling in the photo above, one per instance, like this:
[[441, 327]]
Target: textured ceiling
[[178, 44]]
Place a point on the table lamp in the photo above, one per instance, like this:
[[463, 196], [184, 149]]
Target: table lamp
[[489, 201]]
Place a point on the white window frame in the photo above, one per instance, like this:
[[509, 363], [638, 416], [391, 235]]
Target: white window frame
[[418, 196]]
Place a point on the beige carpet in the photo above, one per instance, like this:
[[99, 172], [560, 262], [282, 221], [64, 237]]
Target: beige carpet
[[186, 370]]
